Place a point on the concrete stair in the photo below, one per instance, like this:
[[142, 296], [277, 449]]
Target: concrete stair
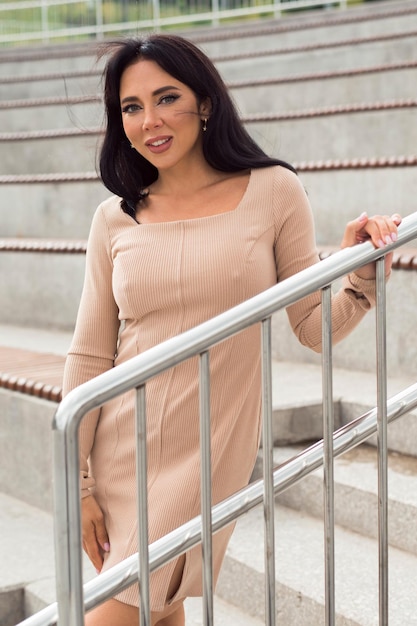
[[45, 209], [300, 578], [26, 538], [369, 62], [28, 583], [341, 133]]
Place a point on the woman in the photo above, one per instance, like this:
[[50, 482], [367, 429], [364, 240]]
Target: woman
[[201, 220]]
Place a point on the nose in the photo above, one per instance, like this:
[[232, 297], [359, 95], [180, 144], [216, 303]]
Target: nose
[[151, 119]]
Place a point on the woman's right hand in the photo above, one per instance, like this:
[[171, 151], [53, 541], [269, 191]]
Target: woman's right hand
[[95, 537]]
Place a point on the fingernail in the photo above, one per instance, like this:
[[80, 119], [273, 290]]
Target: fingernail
[[106, 547], [380, 243], [388, 239], [362, 216], [394, 236]]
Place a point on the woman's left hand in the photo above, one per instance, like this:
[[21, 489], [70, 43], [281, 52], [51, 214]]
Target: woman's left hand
[[381, 230]]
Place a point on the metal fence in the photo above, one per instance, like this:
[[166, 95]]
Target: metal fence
[[73, 599], [45, 21]]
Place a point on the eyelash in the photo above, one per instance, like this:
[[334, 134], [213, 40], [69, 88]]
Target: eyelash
[[135, 108]]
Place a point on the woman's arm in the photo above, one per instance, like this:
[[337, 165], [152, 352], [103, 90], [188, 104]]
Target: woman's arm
[[94, 343], [295, 249]]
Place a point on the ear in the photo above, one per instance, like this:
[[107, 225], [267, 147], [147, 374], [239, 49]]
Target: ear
[[205, 108]]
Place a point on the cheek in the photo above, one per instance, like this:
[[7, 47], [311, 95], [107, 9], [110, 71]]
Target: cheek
[[129, 126]]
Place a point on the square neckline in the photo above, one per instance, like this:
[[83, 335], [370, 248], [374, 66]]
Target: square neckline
[[204, 217]]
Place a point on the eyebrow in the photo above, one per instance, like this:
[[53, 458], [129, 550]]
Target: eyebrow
[[157, 92]]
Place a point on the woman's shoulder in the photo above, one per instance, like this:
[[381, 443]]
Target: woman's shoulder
[[109, 218], [278, 175], [111, 212], [110, 206], [281, 181]]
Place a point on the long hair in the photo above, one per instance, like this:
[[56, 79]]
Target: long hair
[[227, 146]]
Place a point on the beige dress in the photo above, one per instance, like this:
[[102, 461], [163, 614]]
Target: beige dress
[[162, 279]]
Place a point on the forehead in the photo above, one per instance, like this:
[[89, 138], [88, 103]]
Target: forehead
[[146, 76]]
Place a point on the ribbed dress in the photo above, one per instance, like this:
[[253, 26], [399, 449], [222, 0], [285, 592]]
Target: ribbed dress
[[154, 281]]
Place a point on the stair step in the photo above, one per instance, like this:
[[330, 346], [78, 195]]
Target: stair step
[[27, 583], [225, 614], [356, 493], [27, 547], [300, 577], [332, 206], [317, 134]]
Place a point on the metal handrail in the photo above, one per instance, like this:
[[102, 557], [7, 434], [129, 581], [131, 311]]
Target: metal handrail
[[121, 576], [136, 372]]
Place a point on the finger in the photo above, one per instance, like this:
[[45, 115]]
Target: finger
[[102, 536], [382, 230], [355, 231], [94, 552]]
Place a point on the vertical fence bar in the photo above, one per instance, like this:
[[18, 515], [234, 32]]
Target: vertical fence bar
[[206, 503], [44, 18], [382, 429], [328, 428], [215, 11], [99, 19], [67, 515], [277, 11], [156, 14], [142, 491], [268, 466]]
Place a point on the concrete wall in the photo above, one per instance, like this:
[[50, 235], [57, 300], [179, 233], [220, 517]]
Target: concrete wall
[[26, 448], [57, 210], [41, 290]]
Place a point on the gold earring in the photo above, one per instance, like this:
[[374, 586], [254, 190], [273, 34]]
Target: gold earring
[[205, 124], [132, 146]]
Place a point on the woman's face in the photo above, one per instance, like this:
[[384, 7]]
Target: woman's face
[[161, 116]]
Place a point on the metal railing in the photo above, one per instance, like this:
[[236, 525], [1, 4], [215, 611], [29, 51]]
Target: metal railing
[[53, 20], [73, 599]]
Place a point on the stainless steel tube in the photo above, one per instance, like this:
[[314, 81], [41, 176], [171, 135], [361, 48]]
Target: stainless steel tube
[[206, 501], [328, 428], [142, 494], [382, 433], [268, 471]]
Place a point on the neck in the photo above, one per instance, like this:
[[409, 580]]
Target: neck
[[185, 180]]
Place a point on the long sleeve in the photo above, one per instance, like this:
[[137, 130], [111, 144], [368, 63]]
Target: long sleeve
[[94, 344], [295, 250]]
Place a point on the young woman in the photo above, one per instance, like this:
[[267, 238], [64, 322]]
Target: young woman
[[201, 219]]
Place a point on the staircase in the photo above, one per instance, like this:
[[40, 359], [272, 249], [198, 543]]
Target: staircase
[[332, 92]]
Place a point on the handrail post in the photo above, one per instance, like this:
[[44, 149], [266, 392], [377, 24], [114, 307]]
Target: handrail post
[[328, 466], [142, 491], [268, 471], [206, 500], [67, 515], [382, 432]]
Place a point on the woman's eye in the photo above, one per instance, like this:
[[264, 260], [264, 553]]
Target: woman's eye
[[131, 108], [168, 99]]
